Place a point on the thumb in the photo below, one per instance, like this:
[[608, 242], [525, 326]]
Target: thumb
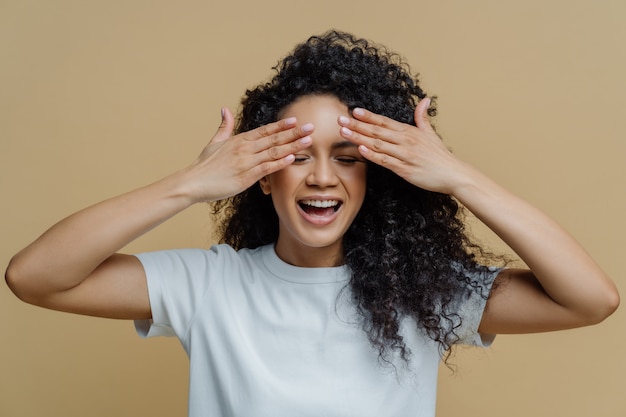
[[421, 114], [226, 126]]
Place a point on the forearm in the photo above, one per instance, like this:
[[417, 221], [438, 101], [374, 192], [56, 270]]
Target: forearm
[[71, 267], [563, 268], [566, 288], [69, 251]]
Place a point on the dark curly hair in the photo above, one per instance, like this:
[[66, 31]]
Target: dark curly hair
[[407, 248]]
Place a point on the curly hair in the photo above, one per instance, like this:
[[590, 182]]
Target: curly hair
[[407, 249]]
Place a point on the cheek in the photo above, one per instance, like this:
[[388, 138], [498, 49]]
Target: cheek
[[355, 179], [284, 182]]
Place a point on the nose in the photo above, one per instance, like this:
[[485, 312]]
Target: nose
[[322, 174]]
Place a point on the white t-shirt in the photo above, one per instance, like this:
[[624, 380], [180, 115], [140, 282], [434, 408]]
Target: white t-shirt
[[266, 338]]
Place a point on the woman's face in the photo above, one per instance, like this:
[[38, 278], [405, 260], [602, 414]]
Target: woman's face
[[319, 195]]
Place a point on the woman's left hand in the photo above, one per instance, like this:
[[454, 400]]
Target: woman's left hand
[[415, 153], [565, 289]]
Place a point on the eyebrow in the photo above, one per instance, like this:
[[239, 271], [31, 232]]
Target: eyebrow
[[343, 144]]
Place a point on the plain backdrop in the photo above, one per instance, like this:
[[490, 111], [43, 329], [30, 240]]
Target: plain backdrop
[[99, 97]]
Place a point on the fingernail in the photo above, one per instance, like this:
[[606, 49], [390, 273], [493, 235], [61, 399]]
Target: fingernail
[[290, 158], [359, 112], [346, 132], [307, 127], [306, 140], [344, 120], [290, 121]]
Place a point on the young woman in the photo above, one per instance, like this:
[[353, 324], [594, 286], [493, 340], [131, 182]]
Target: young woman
[[345, 271]]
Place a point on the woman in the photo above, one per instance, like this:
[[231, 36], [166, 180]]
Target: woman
[[345, 271]]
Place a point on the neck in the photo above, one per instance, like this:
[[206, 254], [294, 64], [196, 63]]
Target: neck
[[308, 257]]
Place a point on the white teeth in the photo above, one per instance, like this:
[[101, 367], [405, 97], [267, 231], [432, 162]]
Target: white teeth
[[320, 203]]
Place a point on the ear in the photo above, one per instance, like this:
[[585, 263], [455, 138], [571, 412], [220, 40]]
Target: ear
[[265, 185]]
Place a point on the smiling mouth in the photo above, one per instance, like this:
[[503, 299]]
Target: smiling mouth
[[320, 208]]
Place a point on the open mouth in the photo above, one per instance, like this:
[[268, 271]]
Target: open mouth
[[320, 208]]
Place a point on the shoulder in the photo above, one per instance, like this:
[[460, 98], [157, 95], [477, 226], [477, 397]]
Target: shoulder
[[470, 304], [216, 254]]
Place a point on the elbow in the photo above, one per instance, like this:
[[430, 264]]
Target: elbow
[[604, 307], [612, 303], [18, 282]]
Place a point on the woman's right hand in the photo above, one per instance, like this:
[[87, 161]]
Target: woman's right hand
[[230, 164], [74, 266]]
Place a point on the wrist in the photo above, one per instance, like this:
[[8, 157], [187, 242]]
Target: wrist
[[467, 182], [178, 187]]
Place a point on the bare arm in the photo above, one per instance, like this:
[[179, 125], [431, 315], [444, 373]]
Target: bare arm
[[74, 266], [564, 288]]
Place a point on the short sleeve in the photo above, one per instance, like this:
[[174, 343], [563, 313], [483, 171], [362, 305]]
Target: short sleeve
[[177, 281], [471, 306]]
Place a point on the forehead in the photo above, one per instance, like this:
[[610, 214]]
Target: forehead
[[323, 111], [321, 107]]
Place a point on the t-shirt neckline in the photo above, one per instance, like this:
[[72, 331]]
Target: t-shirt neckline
[[302, 275]]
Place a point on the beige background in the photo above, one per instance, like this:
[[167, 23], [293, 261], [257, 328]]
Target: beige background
[[97, 97]]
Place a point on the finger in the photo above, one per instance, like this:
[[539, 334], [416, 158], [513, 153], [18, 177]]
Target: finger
[[227, 125], [275, 142], [285, 150], [380, 158], [372, 125], [269, 167], [376, 144], [270, 129], [277, 157], [377, 119], [422, 119]]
